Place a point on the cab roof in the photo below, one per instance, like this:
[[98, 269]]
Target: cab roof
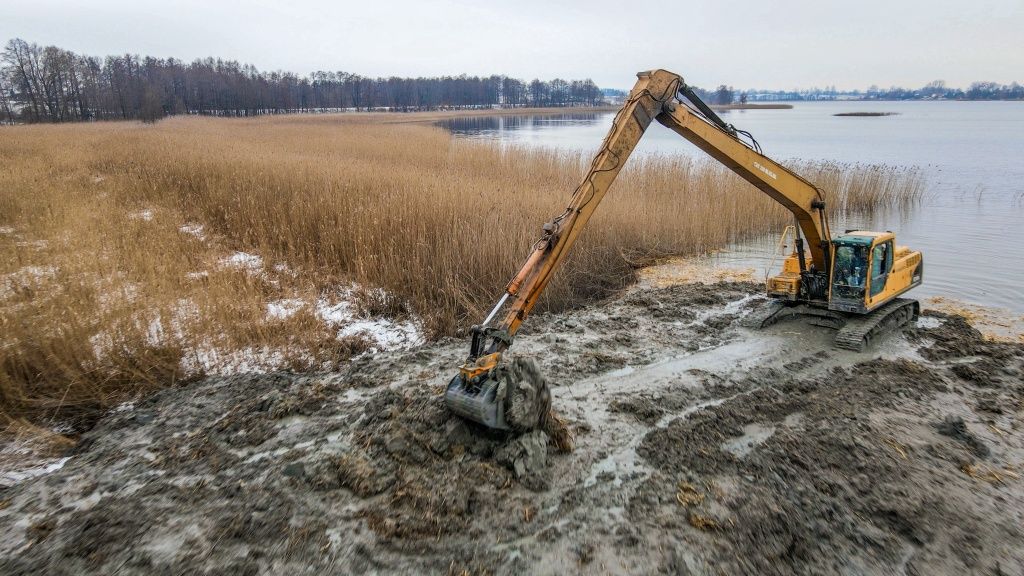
[[862, 236]]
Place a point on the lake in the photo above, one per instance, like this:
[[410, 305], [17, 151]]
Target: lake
[[969, 226]]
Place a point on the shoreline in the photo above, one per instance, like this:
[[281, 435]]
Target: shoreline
[[751, 106], [437, 115]]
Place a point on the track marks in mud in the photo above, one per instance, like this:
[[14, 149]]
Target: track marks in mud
[[861, 467], [637, 329]]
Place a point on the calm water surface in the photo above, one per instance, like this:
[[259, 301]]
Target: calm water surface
[[970, 227]]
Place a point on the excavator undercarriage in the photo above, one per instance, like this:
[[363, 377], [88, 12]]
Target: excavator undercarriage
[[854, 332]]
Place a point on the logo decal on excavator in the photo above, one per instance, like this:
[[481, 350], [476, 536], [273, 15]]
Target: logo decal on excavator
[[766, 171]]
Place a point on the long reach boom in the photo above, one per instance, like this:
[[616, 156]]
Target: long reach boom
[[663, 96]]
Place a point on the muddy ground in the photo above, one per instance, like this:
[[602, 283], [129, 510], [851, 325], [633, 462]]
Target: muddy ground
[[701, 448]]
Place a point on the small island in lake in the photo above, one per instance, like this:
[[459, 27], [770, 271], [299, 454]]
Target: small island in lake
[[867, 114]]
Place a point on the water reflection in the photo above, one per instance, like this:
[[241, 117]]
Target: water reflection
[[493, 126]]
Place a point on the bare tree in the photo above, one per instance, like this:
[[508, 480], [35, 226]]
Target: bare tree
[[724, 95], [151, 109], [5, 99], [52, 84], [20, 61]]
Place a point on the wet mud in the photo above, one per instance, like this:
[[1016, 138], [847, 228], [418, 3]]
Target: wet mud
[[700, 447]]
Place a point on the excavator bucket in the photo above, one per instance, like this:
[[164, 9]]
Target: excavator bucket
[[476, 401], [509, 396]]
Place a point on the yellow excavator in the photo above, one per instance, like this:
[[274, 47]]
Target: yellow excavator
[[850, 282]]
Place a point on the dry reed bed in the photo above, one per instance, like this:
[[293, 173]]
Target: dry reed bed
[[105, 296]]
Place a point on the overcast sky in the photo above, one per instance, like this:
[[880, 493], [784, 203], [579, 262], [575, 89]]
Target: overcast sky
[[777, 44]]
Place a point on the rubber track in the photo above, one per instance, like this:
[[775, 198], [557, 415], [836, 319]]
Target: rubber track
[[851, 336]]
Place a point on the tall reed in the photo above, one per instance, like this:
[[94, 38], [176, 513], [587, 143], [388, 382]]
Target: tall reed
[[104, 296]]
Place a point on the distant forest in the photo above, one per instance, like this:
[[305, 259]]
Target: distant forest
[[50, 84], [937, 90]]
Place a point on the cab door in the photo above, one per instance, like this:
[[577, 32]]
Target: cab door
[[881, 265]]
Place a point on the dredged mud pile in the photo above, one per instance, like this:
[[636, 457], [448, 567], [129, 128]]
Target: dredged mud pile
[[701, 448], [846, 471]]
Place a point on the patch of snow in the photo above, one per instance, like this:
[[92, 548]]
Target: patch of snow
[[37, 244], [15, 476], [111, 294], [6, 230], [335, 537], [144, 215], [283, 268], [37, 272], [197, 275], [753, 436], [929, 322], [155, 332], [162, 327], [356, 394], [193, 229], [62, 428], [338, 313], [212, 361], [282, 309], [24, 278], [102, 344], [124, 407], [184, 312], [385, 334], [243, 260]]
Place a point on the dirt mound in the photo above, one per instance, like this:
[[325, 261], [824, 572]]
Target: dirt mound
[[264, 457], [527, 396], [816, 475], [645, 408], [955, 338]]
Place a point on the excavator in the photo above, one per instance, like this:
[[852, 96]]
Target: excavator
[[850, 282]]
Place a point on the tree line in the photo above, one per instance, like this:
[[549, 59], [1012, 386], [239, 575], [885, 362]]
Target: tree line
[[936, 90], [50, 84]]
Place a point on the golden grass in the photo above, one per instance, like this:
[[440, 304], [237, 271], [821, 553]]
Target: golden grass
[[104, 296]]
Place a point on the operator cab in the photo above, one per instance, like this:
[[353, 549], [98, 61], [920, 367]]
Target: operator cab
[[860, 268]]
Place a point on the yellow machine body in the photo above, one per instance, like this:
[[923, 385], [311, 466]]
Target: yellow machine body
[[886, 271]]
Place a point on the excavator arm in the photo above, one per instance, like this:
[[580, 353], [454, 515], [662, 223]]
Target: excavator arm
[[658, 95], [709, 133]]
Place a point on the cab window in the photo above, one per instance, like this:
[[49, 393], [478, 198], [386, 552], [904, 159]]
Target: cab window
[[881, 264], [850, 271]]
